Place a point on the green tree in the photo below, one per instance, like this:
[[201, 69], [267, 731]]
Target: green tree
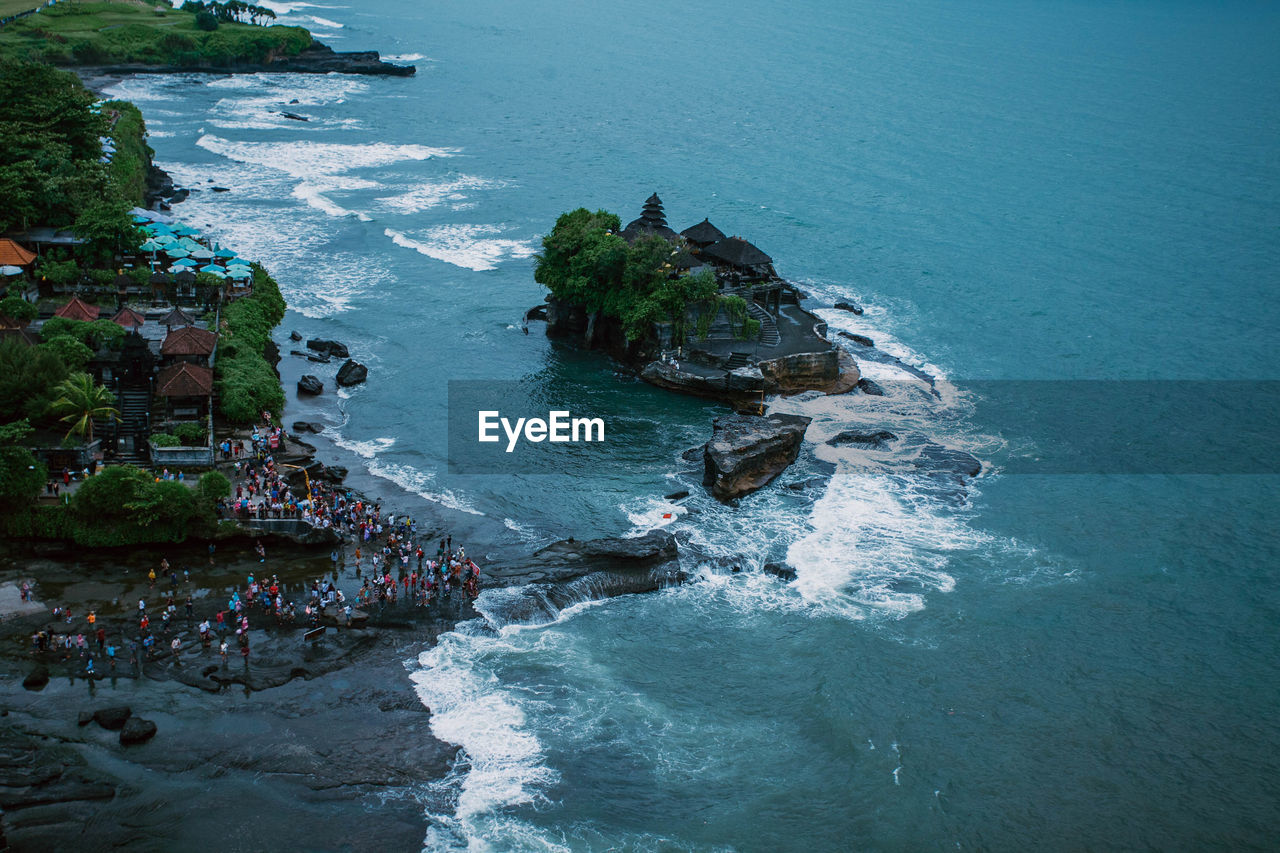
[[106, 224], [28, 377], [16, 308], [214, 485], [79, 401], [69, 351], [21, 474]]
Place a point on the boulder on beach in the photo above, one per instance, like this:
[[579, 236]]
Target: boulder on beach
[[300, 427], [746, 452], [351, 373], [37, 678], [113, 719], [309, 384], [137, 730], [332, 348]]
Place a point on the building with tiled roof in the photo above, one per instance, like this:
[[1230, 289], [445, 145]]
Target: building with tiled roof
[[13, 254], [78, 309], [189, 344], [128, 318], [185, 380]]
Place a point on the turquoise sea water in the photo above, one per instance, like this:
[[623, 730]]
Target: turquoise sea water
[[1015, 190]]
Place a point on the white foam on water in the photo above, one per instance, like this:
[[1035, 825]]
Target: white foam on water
[[650, 513], [466, 246], [367, 449], [429, 195], [307, 159], [420, 483], [312, 194], [505, 762], [325, 22], [877, 545], [407, 57]]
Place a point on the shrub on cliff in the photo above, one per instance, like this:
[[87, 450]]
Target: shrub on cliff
[[123, 505], [247, 384]]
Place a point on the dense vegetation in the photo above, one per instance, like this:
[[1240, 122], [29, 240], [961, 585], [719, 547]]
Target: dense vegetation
[[123, 505], [247, 383], [120, 33], [585, 262]]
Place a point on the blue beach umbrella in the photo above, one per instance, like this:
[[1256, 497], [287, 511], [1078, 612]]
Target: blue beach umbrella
[[213, 269], [201, 254], [184, 230], [150, 246], [176, 251], [224, 253], [186, 262]]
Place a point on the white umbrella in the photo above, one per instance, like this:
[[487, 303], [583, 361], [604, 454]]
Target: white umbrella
[[10, 270]]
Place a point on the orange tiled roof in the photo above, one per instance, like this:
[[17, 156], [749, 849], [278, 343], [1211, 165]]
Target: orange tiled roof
[[128, 318], [188, 341], [13, 254], [185, 380], [78, 309]]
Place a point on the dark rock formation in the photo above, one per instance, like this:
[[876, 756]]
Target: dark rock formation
[[875, 439], [329, 348], [675, 496], [858, 339], [137, 730], [739, 386], [848, 306], [810, 483], [867, 386], [307, 426], [747, 451], [221, 189], [537, 312], [351, 373], [317, 58], [780, 570], [37, 678], [309, 384], [570, 571], [936, 459], [294, 336], [295, 116], [113, 719]]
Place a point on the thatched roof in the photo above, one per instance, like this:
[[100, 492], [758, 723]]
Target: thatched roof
[[123, 282], [736, 252], [703, 234], [186, 277], [188, 341], [160, 278], [185, 380], [78, 309]]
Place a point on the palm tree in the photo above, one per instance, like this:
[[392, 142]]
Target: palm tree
[[79, 401]]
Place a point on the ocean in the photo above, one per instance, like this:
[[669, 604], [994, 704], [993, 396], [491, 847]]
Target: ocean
[[1019, 191]]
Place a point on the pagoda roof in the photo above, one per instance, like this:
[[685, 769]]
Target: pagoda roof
[[185, 380], [638, 228], [78, 309], [737, 252], [704, 233], [189, 341], [178, 317], [13, 254], [128, 318]]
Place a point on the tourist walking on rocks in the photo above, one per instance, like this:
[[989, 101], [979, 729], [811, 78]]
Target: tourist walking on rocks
[[222, 650], [262, 552]]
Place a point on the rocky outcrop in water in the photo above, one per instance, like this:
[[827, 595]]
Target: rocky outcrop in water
[[874, 440], [746, 452], [351, 373], [570, 571], [309, 384], [831, 370], [329, 348]]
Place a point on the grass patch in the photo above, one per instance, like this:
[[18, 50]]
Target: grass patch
[[129, 31]]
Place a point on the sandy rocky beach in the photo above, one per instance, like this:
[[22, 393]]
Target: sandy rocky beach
[[311, 745]]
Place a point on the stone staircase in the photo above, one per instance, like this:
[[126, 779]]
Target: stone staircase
[[769, 336], [135, 418], [738, 359]]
